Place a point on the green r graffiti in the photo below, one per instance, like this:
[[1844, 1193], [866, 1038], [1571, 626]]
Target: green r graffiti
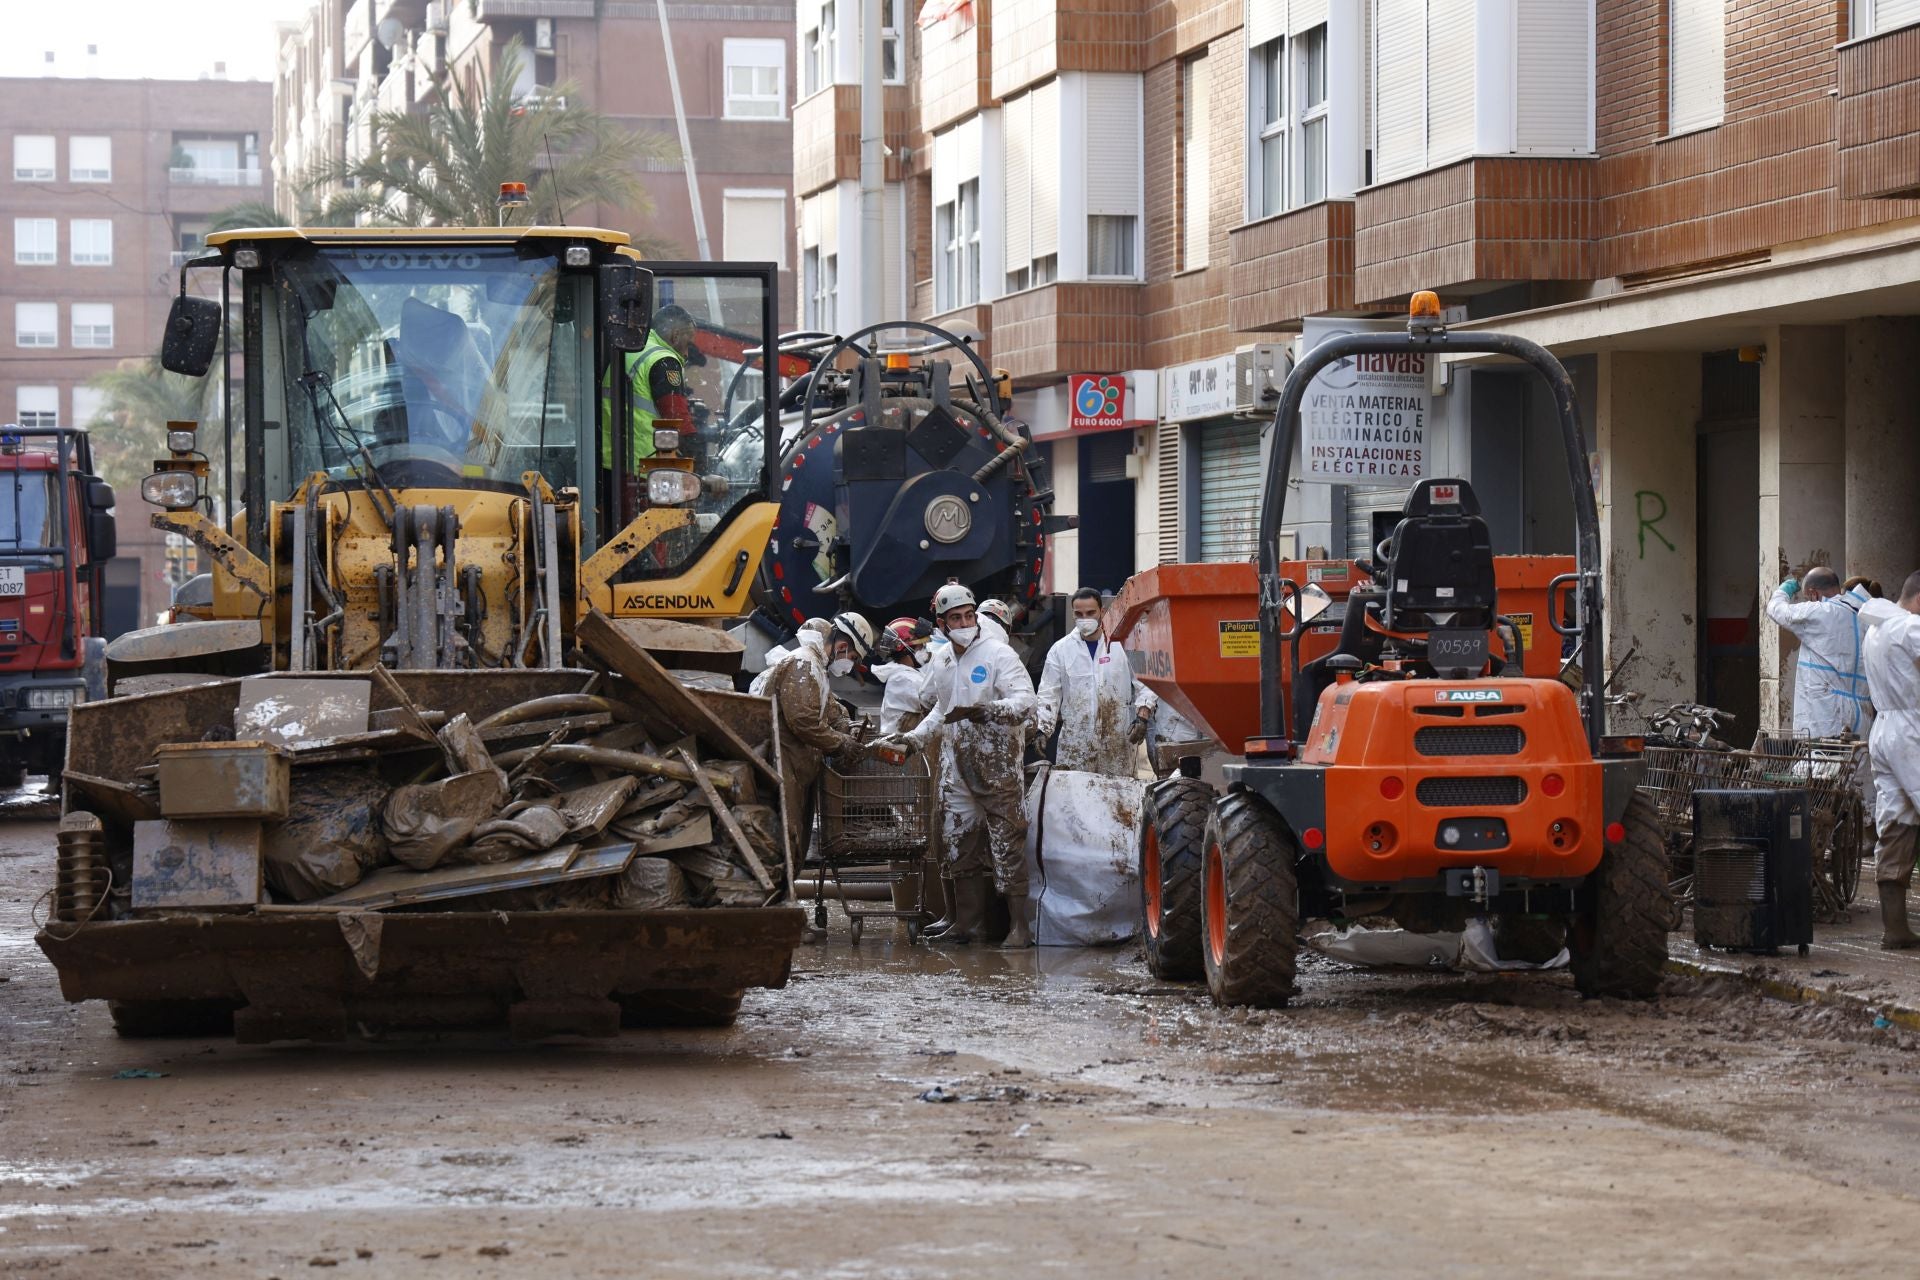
[[1647, 522]]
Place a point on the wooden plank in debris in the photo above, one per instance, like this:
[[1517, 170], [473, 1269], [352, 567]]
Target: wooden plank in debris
[[691, 834], [672, 699], [724, 813], [398, 886], [114, 801], [411, 713], [780, 793], [685, 645]]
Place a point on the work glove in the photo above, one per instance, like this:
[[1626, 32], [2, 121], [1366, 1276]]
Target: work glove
[[963, 715], [852, 752], [1137, 731], [1790, 588]]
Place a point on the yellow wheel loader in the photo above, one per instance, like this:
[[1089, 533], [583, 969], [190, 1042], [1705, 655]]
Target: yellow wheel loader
[[445, 501]]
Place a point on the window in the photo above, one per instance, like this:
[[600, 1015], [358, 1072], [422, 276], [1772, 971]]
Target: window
[[820, 281], [956, 242], [1196, 192], [33, 157], [1030, 126], [754, 226], [36, 324], [892, 68], [37, 406], [90, 159], [92, 242], [1696, 64], [1311, 81], [1270, 140], [89, 405], [33, 241], [1871, 17], [756, 79], [93, 324], [819, 52], [1110, 245]]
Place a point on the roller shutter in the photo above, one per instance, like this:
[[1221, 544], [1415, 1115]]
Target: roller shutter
[[1362, 504], [1229, 490]]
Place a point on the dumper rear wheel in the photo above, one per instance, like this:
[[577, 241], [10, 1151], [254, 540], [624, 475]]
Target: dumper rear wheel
[[679, 1009], [1619, 940], [1250, 904], [1171, 837], [149, 1019]]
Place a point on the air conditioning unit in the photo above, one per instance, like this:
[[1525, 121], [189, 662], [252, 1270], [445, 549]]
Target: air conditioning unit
[[1259, 371], [437, 17], [1752, 870]]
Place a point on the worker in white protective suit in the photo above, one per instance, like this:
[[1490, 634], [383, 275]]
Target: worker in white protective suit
[[1892, 653], [902, 650], [1088, 693], [982, 702], [1829, 688]]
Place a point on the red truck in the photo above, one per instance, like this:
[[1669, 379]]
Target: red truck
[[56, 535]]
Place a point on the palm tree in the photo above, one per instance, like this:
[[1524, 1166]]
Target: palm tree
[[444, 166], [141, 399], [310, 208]]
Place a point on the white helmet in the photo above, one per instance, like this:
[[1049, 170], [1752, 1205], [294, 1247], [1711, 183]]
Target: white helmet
[[948, 598], [857, 630], [1000, 611]]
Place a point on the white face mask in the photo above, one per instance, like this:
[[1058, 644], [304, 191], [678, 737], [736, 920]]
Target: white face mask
[[964, 635], [840, 667], [1087, 627]]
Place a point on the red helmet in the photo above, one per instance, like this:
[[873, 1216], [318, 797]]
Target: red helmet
[[903, 634]]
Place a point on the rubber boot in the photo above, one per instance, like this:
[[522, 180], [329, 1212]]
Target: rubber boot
[[946, 921], [970, 910], [1894, 933], [1019, 936]]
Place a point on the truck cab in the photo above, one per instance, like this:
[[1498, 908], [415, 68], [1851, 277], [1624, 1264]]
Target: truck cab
[[56, 535]]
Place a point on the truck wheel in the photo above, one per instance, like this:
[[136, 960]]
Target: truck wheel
[[1619, 939], [1250, 904], [151, 1019], [1171, 835], [679, 1008]]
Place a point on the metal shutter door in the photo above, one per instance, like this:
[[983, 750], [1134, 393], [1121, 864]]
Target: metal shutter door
[[1229, 490], [1361, 506], [1553, 71]]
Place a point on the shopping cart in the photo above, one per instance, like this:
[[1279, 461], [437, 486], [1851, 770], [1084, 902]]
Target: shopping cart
[[1829, 770], [875, 821]]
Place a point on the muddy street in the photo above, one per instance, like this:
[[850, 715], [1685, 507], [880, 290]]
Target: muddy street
[[906, 1112]]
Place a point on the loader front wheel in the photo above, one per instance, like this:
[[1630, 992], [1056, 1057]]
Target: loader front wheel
[[152, 1019], [1618, 940], [1250, 904], [679, 1009], [1172, 832]]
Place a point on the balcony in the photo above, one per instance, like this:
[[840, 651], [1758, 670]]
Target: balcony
[[956, 63], [1064, 328], [1474, 225], [1292, 265], [1035, 39], [826, 136], [195, 176], [1880, 116]]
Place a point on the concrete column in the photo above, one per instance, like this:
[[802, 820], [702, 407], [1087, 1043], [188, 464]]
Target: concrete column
[[1647, 414], [1883, 449], [1063, 557], [1803, 485]]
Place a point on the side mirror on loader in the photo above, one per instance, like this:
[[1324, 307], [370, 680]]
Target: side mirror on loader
[[626, 304], [193, 331]]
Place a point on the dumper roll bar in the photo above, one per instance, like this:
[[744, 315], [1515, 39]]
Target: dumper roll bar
[[1428, 337]]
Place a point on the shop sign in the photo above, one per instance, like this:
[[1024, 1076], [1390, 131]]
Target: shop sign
[[1364, 419], [1096, 401], [1203, 389]]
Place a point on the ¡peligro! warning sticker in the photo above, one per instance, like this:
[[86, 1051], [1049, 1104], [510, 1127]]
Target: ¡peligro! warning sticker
[[1523, 623], [1240, 639]]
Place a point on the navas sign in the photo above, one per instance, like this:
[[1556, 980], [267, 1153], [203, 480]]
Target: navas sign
[[1096, 400]]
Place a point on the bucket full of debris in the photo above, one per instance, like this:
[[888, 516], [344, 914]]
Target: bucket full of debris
[[302, 856]]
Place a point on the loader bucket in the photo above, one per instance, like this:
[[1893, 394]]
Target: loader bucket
[[294, 971]]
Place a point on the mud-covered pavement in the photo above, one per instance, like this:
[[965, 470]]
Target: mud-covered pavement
[[1084, 1120]]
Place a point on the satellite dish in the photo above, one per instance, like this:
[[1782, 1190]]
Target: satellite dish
[[388, 31]]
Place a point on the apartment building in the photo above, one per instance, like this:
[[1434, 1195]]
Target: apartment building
[[734, 61], [111, 185], [1706, 207]]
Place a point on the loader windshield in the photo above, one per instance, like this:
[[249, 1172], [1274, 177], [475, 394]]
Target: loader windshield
[[439, 364]]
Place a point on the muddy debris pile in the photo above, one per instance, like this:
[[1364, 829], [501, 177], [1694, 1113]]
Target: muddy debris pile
[[366, 792]]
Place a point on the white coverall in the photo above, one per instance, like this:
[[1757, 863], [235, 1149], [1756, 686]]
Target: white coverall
[[1089, 692], [1892, 652], [901, 701], [1830, 689], [980, 777]]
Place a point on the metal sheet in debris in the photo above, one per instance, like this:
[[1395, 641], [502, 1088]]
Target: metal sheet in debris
[[297, 713], [397, 886], [197, 864]]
